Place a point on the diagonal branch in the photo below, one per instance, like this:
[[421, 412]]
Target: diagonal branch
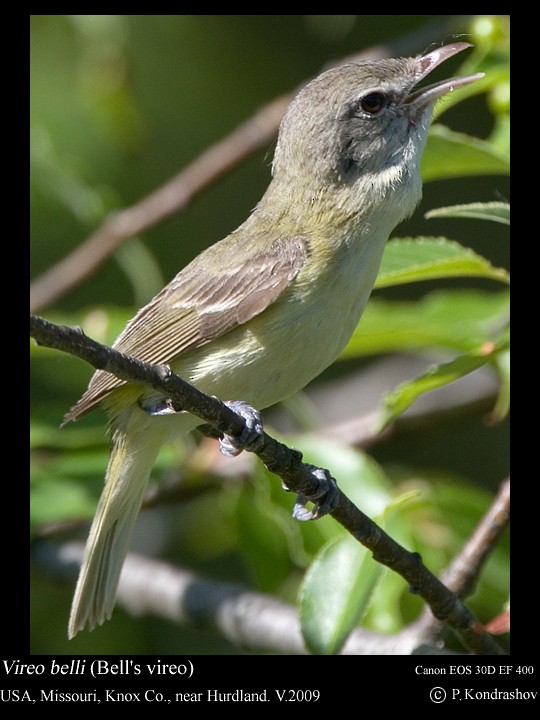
[[283, 461], [170, 197], [462, 574], [464, 570]]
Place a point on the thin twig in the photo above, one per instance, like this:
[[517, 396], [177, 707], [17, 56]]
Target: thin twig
[[283, 461], [171, 197], [464, 570]]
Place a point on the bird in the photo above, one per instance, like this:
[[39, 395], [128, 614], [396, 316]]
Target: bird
[[258, 315]]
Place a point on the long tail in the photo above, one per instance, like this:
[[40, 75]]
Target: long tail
[[133, 452]]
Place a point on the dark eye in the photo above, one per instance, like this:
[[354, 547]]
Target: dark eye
[[372, 103]]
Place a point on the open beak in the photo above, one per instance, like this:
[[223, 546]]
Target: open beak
[[420, 97]]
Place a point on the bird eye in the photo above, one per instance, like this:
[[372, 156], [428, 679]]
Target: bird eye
[[372, 103]]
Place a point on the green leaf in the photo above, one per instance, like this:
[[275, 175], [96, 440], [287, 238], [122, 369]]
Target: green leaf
[[435, 377], [452, 154], [495, 211], [407, 260], [270, 543], [496, 74], [336, 592], [457, 319], [502, 406], [339, 584]]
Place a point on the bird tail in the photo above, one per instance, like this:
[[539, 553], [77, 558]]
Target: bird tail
[[130, 463]]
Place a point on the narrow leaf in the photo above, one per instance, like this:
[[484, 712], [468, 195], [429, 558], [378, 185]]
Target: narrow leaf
[[495, 211], [502, 406], [407, 260], [435, 377]]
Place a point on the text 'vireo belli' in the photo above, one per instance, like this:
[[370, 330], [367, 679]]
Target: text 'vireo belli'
[[261, 313]]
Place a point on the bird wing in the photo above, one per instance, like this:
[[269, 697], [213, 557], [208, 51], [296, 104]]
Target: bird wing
[[199, 305]]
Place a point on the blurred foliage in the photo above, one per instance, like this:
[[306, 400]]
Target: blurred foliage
[[118, 105]]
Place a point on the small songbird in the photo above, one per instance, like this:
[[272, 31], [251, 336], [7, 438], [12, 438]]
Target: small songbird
[[261, 313]]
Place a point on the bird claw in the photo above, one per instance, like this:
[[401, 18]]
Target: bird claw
[[251, 437], [324, 499]]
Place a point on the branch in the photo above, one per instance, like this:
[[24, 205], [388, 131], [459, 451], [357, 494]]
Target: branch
[[254, 621], [283, 461], [464, 570], [171, 197], [462, 573], [175, 194]]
